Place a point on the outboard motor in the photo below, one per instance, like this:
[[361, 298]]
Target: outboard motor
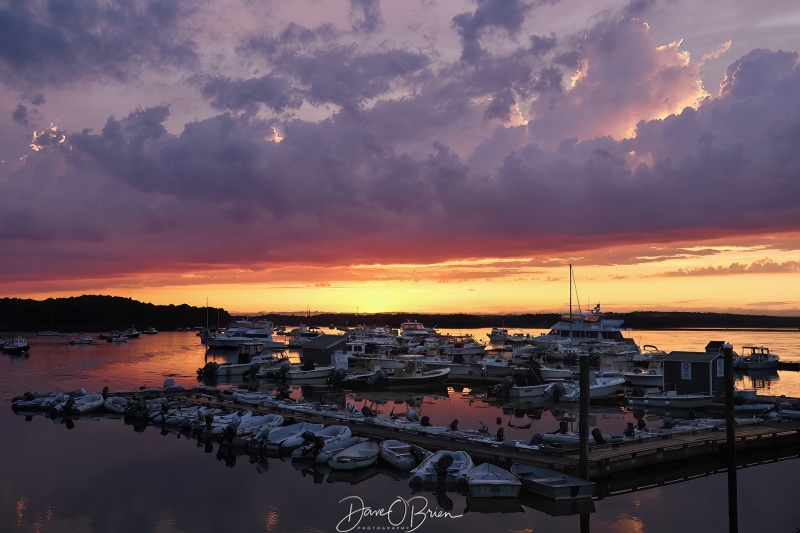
[[501, 434], [442, 465], [508, 383], [308, 436], [628, 432], [554, 392], [454, 425], [308, 364], [637, 392], [337, 377], [367, 412], [425, 421], [597, 435], [377, 380]]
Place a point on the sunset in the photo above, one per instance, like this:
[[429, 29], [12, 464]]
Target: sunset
[[403, 156]]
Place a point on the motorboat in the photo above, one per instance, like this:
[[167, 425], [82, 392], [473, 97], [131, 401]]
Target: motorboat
[[552, 484], [356, 457], [599, 387], [444, 466], [274, 439], [116, 404], [328, 450], [755, 358], [17, 346], [497, 334], [80, 405], [414, 374], [49, 333], [117, 339], [491, 365], [150, 331], [652, 376], [309, 371], [671, 399], [402, 455], [325, 434], [490, 481], [82, 339], [581, 328]]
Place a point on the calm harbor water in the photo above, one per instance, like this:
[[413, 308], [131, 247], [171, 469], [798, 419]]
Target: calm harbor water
[[102, 476]]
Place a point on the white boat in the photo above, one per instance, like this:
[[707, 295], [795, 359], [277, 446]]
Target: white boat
[[402, 455], [444, 466], [355, 457], [599, 387], [491, 365], [275, 438], [82, 339], [652, 376], [755, 358], [80, 405], [414, 374], [116, 404], [43, 401], [150, 331], [309, 371], [527, 392], [671, 399], [325, 433], [49, 333], [552, 484], [498, 334], [490, 481], [330, 449]]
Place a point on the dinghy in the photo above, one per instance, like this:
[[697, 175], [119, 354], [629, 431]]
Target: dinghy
[[552, 484], [326, 433], [355, 457], [444, 466], [116, 404], [275, 438], [402, 455], [491, 481], [80, 405]]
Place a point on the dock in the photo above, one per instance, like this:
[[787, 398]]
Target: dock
[[618, 466]]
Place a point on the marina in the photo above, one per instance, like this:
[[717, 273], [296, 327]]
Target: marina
[[620, 469]]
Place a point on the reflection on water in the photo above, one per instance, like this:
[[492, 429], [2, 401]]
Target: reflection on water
[[52, 482]]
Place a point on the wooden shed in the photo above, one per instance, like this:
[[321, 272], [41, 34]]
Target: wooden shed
[[319, 349], [695, 373]]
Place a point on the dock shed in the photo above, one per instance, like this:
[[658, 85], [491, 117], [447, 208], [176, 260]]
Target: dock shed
[[319, 349], [695, 372]]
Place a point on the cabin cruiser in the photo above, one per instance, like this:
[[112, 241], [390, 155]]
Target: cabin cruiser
[[590, 330]]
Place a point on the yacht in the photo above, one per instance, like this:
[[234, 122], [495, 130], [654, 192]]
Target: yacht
[[590, 329]]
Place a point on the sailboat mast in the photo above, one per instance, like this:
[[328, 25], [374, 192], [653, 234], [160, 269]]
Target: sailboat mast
[[570, 303]]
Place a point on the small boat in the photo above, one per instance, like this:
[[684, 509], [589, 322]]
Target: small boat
[[275, 438], [309, 371], [498, 334], [117, 339], [414, 374], [82, 339], [326, 433], [16, 346], [444, 466], [755, 358], [599, 387], [332, 448], [42, 401], [552, 484], [49, 333], [652, 376], [116, 404], [402, 455], [150, 331], [671, 399], [80, 405], [490, 481], [355, 457]]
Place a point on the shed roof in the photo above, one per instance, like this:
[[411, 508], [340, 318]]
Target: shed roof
[[694, 357]]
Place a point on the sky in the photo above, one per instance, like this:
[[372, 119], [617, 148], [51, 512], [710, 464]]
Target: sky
[[423, 155]]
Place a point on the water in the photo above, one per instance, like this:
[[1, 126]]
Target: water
[[102, 476]]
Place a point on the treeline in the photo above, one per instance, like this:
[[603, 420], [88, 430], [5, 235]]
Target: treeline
[[101, 313], [106, 313]]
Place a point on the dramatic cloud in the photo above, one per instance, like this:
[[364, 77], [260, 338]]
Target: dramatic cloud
[[345, 141]]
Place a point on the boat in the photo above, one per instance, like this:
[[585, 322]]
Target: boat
[[150, 331], [414, 374], [652, 376], [355, 457], [309, 370], [117, 339], [322, 436], [671, 399], [17, 346], [49, 333], [527, 392], [80, 405], [490, 481], [275, 438], [491, 365], [755, 358], [402, 455], [599, 387], [31, 401], [498, 334], [82, 339], [552, 484], [444, 466], [116, 404], [411, 329], [328, 450]]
